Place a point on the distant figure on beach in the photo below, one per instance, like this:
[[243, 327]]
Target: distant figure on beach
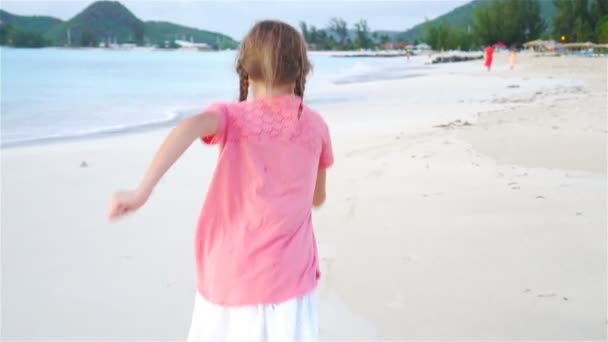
[[255, 250], [512, 57], [489, 51]]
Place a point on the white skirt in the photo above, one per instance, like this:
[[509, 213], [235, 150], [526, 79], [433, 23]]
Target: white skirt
[[294, 320]]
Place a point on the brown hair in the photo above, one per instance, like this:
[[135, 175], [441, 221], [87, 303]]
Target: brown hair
[[273, 52]]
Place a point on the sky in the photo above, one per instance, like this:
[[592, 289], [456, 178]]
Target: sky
[[235, 17]]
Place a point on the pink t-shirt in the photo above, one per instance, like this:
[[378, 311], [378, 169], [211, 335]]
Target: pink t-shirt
[[254, 242]]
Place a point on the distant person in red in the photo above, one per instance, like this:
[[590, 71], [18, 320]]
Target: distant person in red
[[512, 57], [489, 56]]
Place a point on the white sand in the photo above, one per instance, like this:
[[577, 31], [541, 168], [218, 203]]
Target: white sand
[[490, 231]]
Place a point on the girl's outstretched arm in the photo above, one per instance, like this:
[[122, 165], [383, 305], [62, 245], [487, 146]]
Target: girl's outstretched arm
[[180, 138]]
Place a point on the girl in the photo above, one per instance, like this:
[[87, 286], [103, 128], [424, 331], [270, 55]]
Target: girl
[[512, 57], [489, 52], [256, 254]]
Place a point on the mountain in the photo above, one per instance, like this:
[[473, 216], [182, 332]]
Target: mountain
[[459, 17], [35, 24], [462, 17], [101, 22]]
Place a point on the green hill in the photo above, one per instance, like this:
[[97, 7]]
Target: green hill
[[35, 24], [459, 17], [25, 31], [462, 17], [101, 21]]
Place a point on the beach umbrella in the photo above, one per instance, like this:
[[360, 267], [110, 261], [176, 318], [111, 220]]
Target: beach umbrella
[[534, 43]]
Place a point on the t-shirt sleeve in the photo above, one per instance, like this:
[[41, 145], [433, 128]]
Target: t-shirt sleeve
[[221, 112], [327, 153]]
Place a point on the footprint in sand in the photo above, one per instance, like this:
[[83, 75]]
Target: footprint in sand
[[407, 259], [432, 194], [540, 197], [376, 173], [546, 294]]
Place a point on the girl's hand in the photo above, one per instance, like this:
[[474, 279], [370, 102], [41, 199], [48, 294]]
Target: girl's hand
[[123, 203], [175, 144]]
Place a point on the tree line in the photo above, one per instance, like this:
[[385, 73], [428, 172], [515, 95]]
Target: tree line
[[12, 36], [515, 22], [512, 22], [338, 36], [581, 20]]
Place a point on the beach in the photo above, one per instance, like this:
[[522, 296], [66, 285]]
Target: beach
[[463, 204]]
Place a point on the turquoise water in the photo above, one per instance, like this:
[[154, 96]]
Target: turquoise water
[[52, 94]]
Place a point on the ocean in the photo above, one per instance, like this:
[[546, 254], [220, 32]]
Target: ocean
[[55, 94]]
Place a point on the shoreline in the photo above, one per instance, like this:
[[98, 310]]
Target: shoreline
[[189, 109], [338, 94]]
